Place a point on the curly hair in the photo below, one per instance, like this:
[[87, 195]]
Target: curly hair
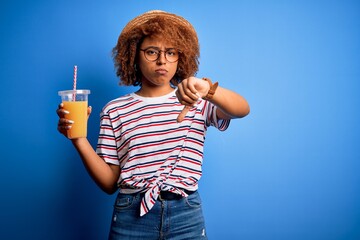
[[179, 35]]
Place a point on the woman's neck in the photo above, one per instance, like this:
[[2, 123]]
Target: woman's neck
[[158, 91]]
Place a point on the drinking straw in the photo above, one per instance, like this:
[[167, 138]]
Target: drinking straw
[[74, 82]]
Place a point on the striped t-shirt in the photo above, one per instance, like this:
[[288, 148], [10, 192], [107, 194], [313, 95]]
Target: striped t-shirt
[[154, 151]]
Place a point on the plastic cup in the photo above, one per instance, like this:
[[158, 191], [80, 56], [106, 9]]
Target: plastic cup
[[76, 103]]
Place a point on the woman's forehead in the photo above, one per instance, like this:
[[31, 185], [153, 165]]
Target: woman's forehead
[[156, 40]]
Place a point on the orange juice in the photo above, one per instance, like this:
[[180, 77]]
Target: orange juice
[[78, 114]]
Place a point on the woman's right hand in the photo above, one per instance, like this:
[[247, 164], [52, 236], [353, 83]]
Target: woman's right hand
[[63, 123]]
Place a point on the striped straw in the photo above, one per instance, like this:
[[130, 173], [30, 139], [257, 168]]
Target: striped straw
[[74, 82]]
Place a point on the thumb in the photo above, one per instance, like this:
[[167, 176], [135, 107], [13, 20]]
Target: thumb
[[183, 113]]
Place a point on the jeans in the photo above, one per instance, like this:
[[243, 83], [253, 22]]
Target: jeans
[[168, 219]]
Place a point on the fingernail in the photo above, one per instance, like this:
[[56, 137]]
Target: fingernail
[[70, 121], [198, 94], [66, 112]]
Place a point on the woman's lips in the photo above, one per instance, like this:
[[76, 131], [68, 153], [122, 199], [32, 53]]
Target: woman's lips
[[161, 71]]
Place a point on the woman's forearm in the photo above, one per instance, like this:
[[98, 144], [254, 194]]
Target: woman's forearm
[[230, 104], [103, 174]]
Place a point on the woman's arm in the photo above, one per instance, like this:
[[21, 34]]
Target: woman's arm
[[105, 175], [230, 104]]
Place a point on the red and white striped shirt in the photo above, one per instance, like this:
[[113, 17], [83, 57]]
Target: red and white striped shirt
[[154, 151]]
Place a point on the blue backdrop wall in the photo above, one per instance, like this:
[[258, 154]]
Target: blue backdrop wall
[[290, 170]]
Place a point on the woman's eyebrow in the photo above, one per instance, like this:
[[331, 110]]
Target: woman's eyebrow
[[152, 47], [158, 48]]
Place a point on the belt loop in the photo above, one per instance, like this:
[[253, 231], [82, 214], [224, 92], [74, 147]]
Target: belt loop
[[160, 198]]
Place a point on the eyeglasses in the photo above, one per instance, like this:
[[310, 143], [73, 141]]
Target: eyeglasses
[[152, 54]]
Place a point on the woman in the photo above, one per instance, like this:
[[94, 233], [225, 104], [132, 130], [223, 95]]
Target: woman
[[150, 146]]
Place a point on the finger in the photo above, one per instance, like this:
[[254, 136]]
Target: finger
[[64, 125], [64, 121], [183, 113], [190, 90], [183, 102], [61, 111], [183, 96], [63, 129], [191, 86], [89, 110]]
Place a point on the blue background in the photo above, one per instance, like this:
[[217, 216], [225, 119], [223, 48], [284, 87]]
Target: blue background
[[289, 170]]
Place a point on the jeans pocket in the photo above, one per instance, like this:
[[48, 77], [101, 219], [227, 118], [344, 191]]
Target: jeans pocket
[[124, 201], [193, 200]]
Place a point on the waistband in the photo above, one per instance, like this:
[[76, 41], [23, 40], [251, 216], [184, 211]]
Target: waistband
[[166, 195]]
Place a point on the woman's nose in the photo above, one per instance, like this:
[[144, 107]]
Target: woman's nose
[[161, 59]]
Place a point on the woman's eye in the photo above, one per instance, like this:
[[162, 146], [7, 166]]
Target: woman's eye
[[171, 53], [151, 52]]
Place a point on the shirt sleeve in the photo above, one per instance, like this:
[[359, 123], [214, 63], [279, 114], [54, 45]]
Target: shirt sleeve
[[212, 118], [106, 146]]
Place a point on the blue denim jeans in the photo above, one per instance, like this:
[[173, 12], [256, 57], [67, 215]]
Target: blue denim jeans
[[168, 219]]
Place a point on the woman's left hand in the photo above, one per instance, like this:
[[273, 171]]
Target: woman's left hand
[[189, 91]]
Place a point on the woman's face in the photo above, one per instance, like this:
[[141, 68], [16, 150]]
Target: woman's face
[[157, 72]]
